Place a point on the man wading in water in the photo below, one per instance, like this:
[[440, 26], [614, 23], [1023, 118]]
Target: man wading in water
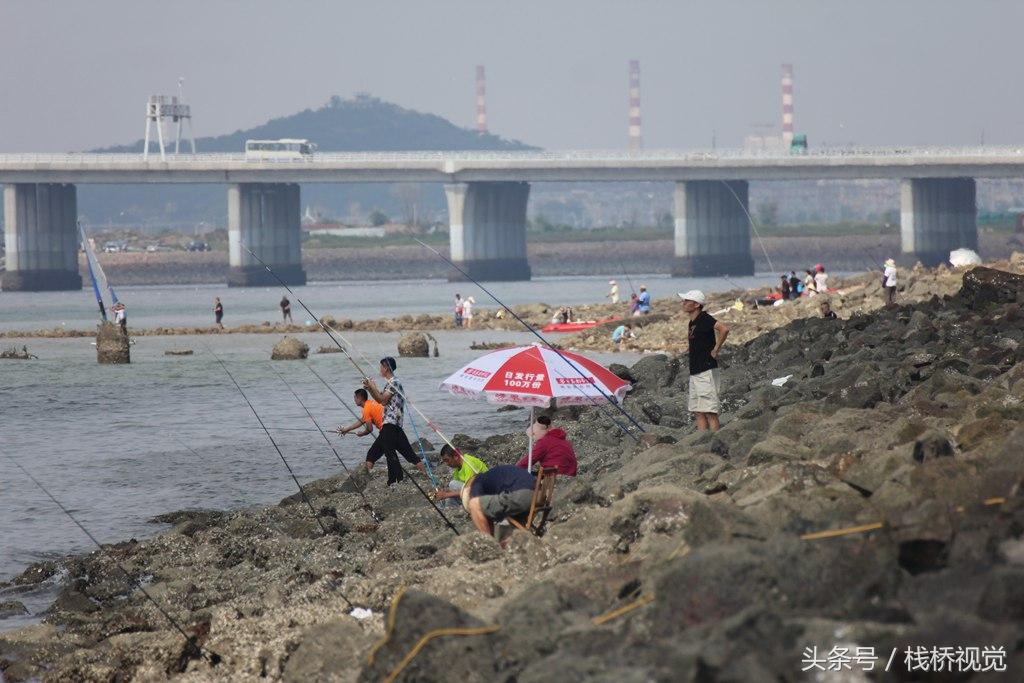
[[706, 337], [392, 439]]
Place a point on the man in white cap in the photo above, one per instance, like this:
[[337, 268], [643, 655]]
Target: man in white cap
[[706, 336], [613, 292], [889, 282]]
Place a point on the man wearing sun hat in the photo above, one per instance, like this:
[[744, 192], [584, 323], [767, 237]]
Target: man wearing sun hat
[[613, 291], [706, 336], [889, 282]]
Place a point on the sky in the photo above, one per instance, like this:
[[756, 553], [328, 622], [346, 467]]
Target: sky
[[75, 75]]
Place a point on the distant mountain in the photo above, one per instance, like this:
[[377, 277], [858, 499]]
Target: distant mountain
[[362, 123]]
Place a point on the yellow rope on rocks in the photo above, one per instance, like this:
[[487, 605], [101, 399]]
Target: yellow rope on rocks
[[436, 633], [625, 609], [832, 533], [392, 613]]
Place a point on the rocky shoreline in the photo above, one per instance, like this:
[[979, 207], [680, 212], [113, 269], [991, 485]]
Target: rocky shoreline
[[679, 556]]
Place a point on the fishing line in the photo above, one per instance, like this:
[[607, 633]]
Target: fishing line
[[626, 273], [276, 447], [415, 483], [348, 355], [753, 225], [534, 331], [369, 507], [190, 641]]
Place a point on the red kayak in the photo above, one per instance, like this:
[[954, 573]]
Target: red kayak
[[574, 327]]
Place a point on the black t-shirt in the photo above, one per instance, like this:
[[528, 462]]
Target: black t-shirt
[[831, 315], [702, 340]]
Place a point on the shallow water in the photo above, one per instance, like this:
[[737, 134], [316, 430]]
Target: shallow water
[[118, 445]]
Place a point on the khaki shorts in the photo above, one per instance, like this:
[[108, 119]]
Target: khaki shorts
[[502, 505], [704, 390]]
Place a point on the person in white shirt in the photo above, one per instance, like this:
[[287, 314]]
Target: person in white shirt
[[889, 282], [820, 279], [613, 292], [467, 311]]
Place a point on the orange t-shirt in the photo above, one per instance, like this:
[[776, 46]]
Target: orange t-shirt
[[373, 413]]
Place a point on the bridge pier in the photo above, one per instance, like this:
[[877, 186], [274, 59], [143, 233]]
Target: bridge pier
[[41, 237], [937, 215], [712, 235], [487, 224], [266, 218]]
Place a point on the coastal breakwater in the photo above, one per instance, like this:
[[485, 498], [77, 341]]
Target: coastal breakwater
[[679, 556]]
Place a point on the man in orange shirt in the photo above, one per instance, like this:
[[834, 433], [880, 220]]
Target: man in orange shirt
[[373, 415]]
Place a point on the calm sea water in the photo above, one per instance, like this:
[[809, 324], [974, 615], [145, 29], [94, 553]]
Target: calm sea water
[[120, 444]]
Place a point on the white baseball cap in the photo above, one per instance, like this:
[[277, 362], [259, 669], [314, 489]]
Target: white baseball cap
[[694, 295], [611, 282]]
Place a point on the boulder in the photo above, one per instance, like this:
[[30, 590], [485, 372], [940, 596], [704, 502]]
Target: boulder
[[414, 344], [112, 345], [290, 348], [983, 286]]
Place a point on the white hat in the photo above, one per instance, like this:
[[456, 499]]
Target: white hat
[[890, 263], [611, 282], [471, 300], [694, 295]]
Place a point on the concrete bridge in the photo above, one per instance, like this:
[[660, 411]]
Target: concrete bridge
[[487, 195]]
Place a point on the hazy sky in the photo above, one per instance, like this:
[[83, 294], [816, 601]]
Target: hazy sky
[[75, 74]]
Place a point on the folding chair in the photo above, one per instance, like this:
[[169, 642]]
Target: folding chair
[[541, 504]]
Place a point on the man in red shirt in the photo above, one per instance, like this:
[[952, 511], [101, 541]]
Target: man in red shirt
[[550, 448]]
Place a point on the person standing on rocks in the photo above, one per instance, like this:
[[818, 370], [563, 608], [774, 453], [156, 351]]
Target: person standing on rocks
[[820, 279], [467, 312], [889, 282], [458, 310], [121, 317], [784, 287], [706, 336], [392, 440], [550, 448], [613, 291], [464, 466], [286, 310], [218, 312]]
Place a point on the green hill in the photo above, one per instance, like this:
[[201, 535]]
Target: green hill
[[362, 123]]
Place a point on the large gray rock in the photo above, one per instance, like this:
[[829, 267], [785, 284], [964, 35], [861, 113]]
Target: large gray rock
[[414, 344], [290, 348], [990, 286]]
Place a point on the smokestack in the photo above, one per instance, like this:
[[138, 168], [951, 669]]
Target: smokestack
[[481, 103], [636, 141], [787, 105]]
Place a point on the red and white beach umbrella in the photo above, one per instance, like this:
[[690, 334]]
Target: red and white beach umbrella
[[533, 375]]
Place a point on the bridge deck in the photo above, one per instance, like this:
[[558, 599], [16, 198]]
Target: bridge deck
[[539, 166]]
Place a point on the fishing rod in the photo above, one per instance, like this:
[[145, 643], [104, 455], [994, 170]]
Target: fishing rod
[[369, 507], [534, 331], [753, 224], [626, 273], [191, 644], [411, 478], [346, 353], [276, 447]]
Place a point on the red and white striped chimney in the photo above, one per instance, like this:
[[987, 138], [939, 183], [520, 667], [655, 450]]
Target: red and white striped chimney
[[636, 141], [787, 105], [481, 102]]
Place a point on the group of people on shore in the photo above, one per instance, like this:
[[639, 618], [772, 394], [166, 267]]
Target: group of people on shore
[[489, 494], [639, 303], [464, 311]]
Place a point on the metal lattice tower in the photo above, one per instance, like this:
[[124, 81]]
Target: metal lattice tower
[[167, 108], [481, 101], [787, 105], [636, 141]]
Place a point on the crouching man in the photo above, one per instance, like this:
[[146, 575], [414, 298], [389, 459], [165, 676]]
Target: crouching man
[[464, 467], [500, 492]]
